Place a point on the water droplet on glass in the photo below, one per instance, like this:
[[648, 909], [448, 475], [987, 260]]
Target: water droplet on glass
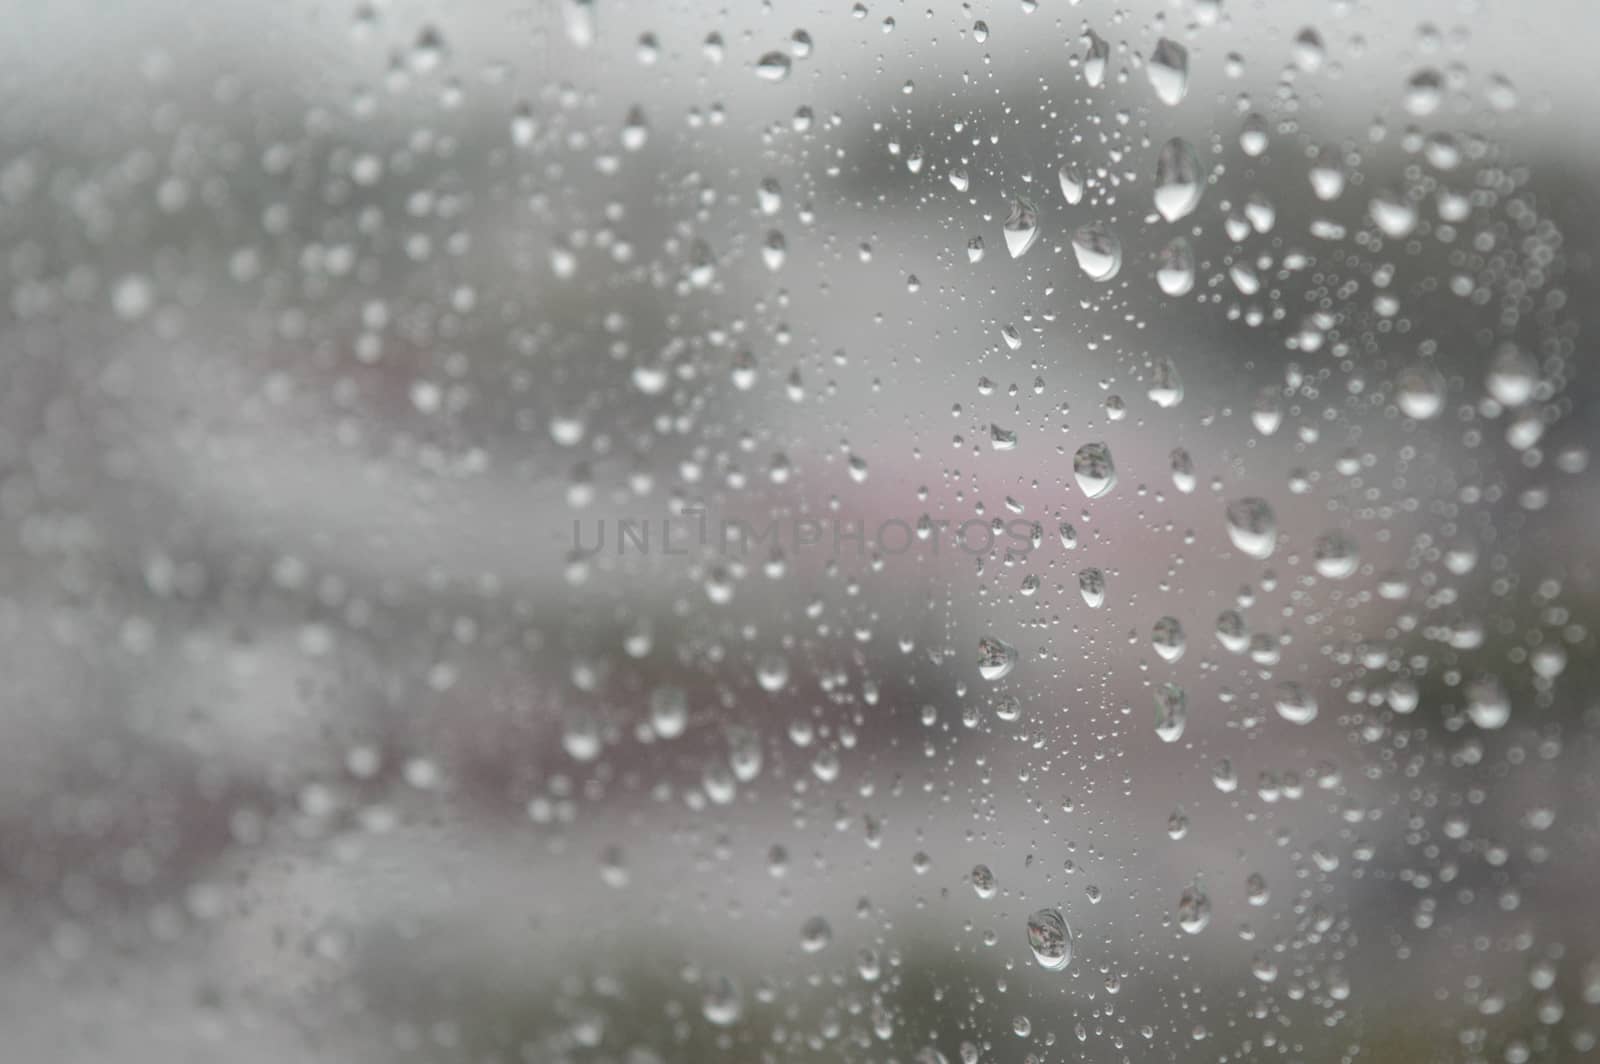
[[1335, 555], [1172, 712], [1253, 134], [1253, 527], [996, 659], [1419, 391], [815, 934], [1232, 632], [1168, 639], [1092, 467], [1295, 704], [1179, 182], [1183, 477], [1092, 586], [1021, 227], [721, 1003], [1487, 703], [1513, 376], [1095, 59], [1098, 251], [1194, 910], [1168, 70], [1050, 939], [774, 66], [1071, 180], [1175, 267], [983, 881], [1327, 175], [1424, 92], [1166, 386]]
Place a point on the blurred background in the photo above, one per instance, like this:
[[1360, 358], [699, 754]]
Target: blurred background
[[342, 724]]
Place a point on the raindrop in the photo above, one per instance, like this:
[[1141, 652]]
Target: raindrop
[[1253, 134], [1175, 267], [1166, 386], [1232, 632], [1092, 467], [1095, 59], [1050, 939], [815, 934], [1172, 712], [1253, 527], [1513, 376], [1098, 251], [1487, 703], [1021, 227], [1194, 910], [1335, 555], [774, 66], [1071, 181], [1168, 639], [1179, 183], [1419, 391], [1092, 586], [1295, 704], [1168, 70], [1183, 477], [1393, 214], [996, 659]]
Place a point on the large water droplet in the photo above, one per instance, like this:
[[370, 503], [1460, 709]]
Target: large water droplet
[[1092, 586], [774, 66], [815, 934], [1295, 704], [1166, 386], [1071, 180], [1335, 555], [1092, 467], [1232, 632], [1050, 939], [1487, 703], [1175, 267], [1253, 527], [1095, 59], [1172, 712], [721, 1003], [1394, 214], [1513, 376], [1168, 639], [1021, 227], [996, 658], [1194, 909], [1419, 391], [1168, 70], [1098, 250], [1179, 182]]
